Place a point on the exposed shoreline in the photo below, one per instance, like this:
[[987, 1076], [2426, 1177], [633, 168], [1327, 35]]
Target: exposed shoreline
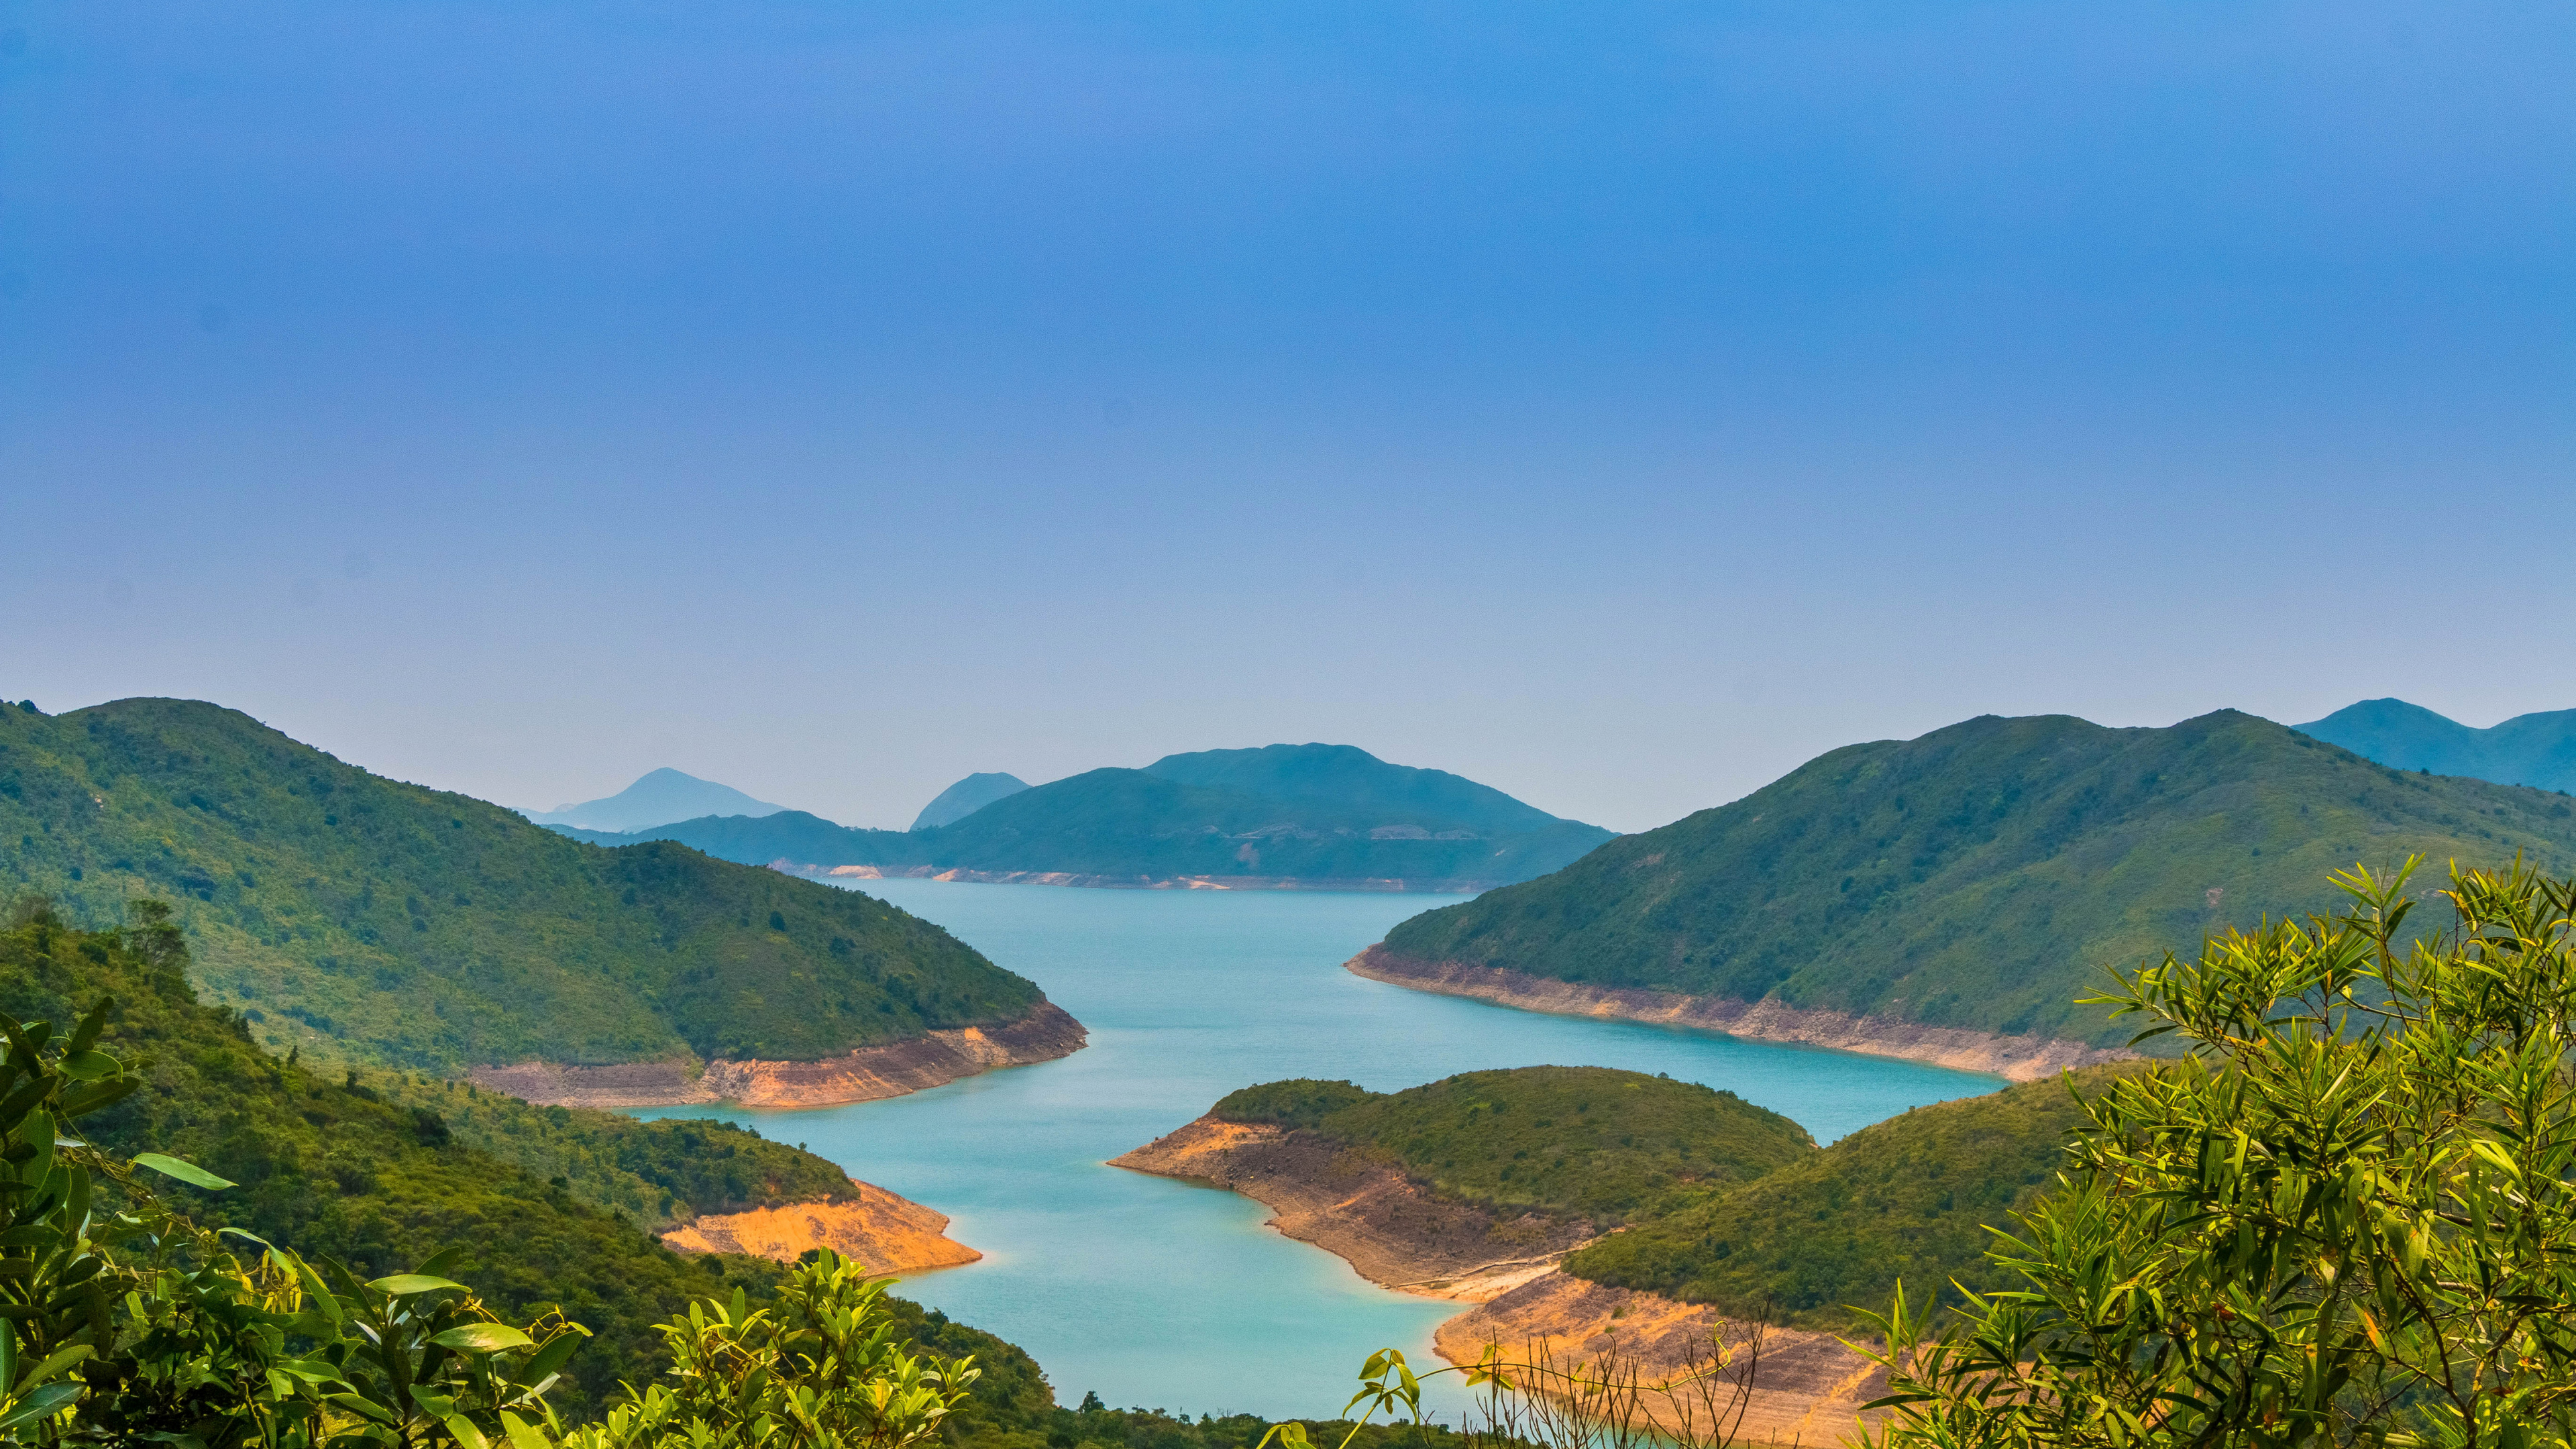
[[1383, 884], [1809, 1386], [864, 1075], [875, 1228], [2014, 1058], [1389, 1228]]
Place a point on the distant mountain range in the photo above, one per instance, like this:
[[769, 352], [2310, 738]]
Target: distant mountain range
[[1979, 878], [387, 922], [658, 798], [1282, 816], [961, 799], [2529, 749]]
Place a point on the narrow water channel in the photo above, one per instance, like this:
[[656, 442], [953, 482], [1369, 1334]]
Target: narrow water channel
[[1161, 1295]]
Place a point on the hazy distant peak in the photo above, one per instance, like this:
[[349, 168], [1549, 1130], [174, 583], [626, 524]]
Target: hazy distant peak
[[968, 796], [2529, 749], [660, 797]]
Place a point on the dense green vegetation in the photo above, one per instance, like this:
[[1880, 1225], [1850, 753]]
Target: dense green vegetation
[[2348, 1218], [655, 1173], [1347, 778], [1985, 875], [1906, 1199], [324, 1165], [2528, 749], [1132, 823], [360, 917], [1584, 1141]]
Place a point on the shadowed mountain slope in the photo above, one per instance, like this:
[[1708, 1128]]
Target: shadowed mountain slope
[[2529, 749], [1982, 876], [388, 922], [965, 798]]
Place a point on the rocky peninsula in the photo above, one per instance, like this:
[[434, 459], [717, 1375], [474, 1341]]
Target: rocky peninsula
[[871, 1226]]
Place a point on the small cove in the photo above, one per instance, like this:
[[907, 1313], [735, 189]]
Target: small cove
[[1156, 1293]]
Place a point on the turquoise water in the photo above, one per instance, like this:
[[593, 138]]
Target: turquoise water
[[1158, 1294]]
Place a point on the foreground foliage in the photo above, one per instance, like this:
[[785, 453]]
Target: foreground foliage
[[1592, 1141], [2348, 1218]]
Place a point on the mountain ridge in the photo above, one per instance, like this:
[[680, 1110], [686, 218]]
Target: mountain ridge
[[1117, 826], [2536, 749], [341, 911], [1982, 876]]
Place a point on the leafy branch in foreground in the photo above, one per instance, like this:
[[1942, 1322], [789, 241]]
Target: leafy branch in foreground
[[2349, 1217]]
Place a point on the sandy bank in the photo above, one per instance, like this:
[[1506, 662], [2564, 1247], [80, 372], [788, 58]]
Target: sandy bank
[[1807, 1387], [2018, 1058], [863, 1075], [1390, 1228], [882, 1232], [1442, 886]]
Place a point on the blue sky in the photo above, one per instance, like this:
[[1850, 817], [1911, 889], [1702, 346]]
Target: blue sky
[[1617, 403]]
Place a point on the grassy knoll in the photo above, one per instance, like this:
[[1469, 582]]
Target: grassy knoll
[[1907, 1198], [1584, 1141], [1984, 875], [377, 921]]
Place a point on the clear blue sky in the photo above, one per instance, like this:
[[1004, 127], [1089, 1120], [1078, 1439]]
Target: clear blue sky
[[1618, 403]]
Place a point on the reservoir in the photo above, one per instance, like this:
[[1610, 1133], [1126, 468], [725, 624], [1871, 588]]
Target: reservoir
[[1156, 1294]]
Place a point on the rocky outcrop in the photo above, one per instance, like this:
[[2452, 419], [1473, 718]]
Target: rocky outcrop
[[890, 1070], [1806, 1388], [1139, 882], [872, 1227], [2016, 1058], [1363, 1210]]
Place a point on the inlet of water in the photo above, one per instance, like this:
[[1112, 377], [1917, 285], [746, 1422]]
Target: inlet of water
[[1157, 1294]]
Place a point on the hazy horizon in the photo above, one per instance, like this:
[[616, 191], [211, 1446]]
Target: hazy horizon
[[1617, 406]]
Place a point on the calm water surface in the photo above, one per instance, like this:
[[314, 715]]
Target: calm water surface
[[1159, 1294]]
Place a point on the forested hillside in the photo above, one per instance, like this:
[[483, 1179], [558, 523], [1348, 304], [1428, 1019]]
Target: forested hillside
[[359, 916], [1909, 1198], [1984, 875], [324, 1165], [1589, 1142]]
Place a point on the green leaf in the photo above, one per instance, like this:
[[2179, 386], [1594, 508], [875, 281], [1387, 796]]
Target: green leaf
[[89, 1066], [401, 1284], [38, 1133], [552, 1356], [86, 1036], [482, 1337], [187, 1172], [465, 1432], [44, 1403], [522, 1435]]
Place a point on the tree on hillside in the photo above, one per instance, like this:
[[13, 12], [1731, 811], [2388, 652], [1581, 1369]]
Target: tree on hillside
[[2346, 1218]]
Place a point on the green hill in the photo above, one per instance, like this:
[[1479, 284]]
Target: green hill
[[1983, 875], [1907, 1198], [2528, 749], [386, 922], [1347, 777], [1370, 821], [1592, 1142]]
